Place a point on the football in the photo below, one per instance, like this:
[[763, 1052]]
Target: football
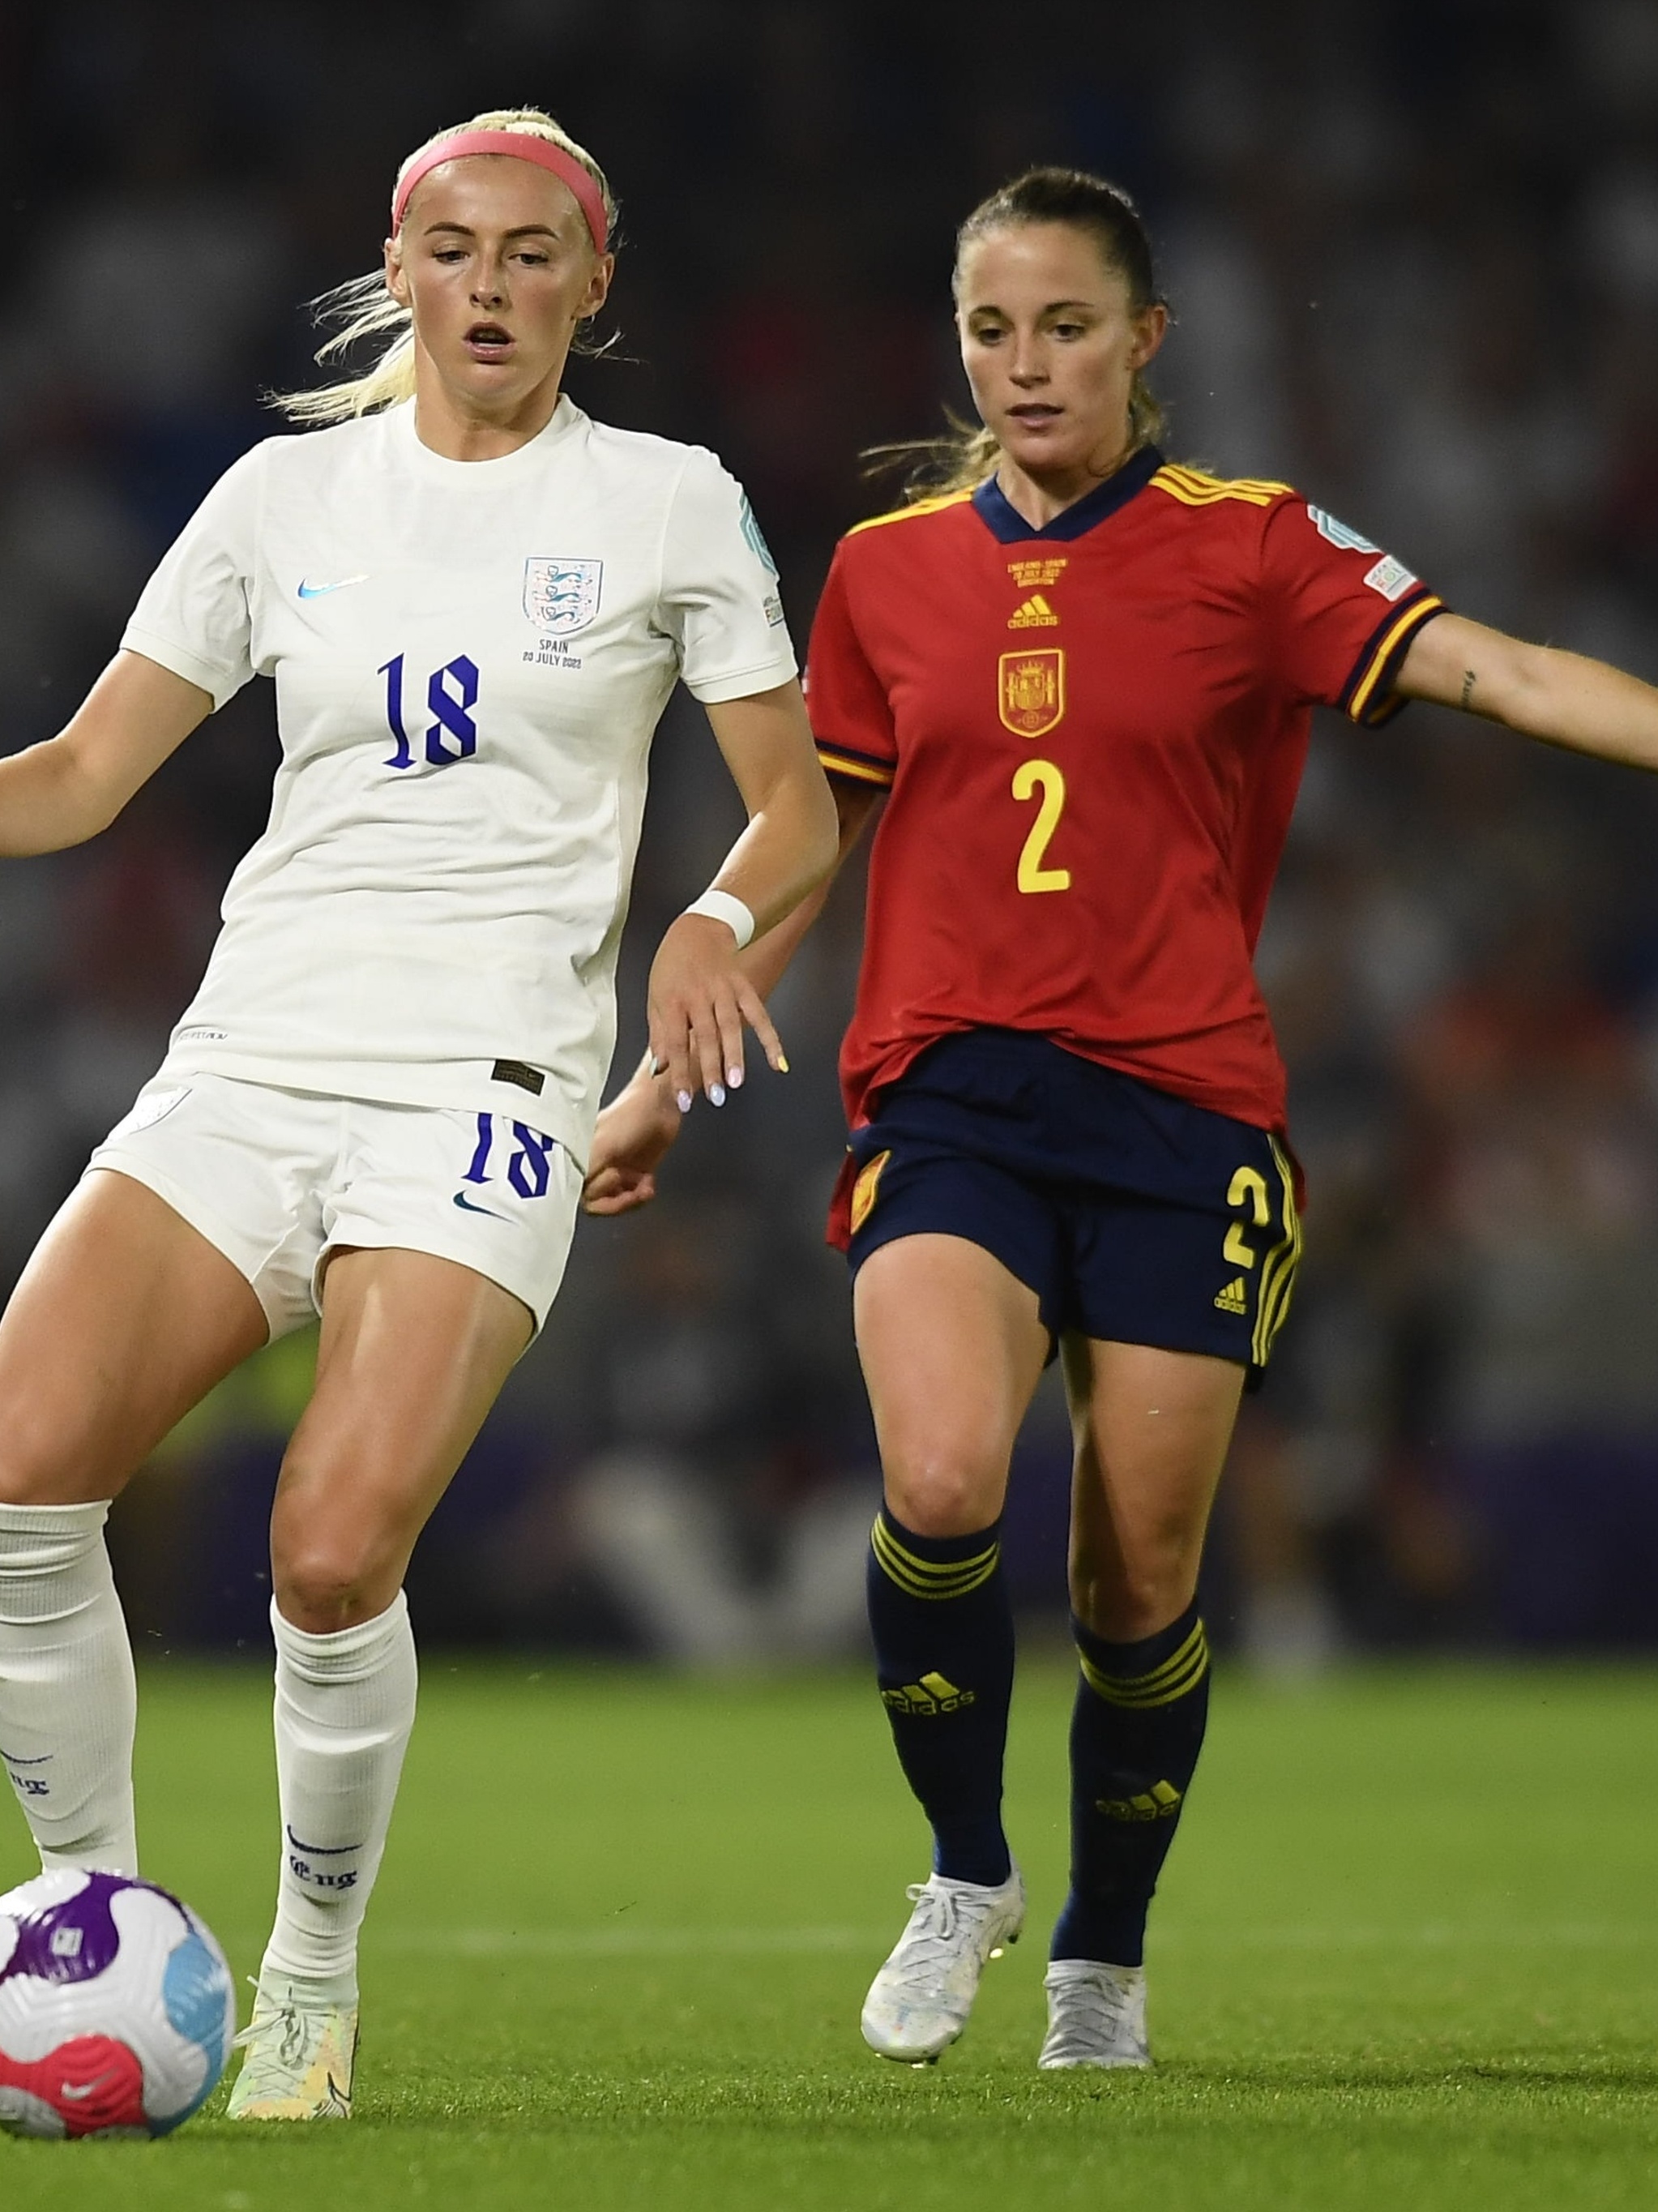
[[116, 2008]]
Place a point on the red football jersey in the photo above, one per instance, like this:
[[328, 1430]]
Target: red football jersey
[[1093, 734]]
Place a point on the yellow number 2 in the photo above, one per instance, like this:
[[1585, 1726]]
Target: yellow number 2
[[1031, 777], [1249, 1188]]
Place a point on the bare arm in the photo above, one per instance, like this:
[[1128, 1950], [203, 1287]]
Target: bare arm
[[788, 848], [700, 995], [66, 790], [766, 962], [1561, 698], [636, 1128]]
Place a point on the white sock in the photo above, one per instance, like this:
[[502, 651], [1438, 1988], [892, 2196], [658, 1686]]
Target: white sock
[[68, 1700], [345, 1705]]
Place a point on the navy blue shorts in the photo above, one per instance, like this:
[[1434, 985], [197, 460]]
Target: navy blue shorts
[[1134, 1216]]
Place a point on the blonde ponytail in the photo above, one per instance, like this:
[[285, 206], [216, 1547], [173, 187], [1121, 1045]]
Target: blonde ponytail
[[363, 308]]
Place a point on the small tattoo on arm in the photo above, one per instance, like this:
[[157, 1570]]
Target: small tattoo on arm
[[1467, 687]]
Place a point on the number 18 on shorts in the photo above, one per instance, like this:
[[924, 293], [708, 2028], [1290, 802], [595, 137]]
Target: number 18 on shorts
[[278, 1180]]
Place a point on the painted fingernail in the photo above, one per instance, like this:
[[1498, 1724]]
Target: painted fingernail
[[682, 1100], [734, 1077], [782, 1063], [717, 1094]]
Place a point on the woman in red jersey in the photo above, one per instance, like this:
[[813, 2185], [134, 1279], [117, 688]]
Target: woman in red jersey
[[1083, 676]]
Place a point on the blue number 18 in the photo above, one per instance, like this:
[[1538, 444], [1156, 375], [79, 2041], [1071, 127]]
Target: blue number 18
[[453, 736]]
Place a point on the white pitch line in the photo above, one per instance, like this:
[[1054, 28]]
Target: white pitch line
[[624, 1942], [1436, 1935]]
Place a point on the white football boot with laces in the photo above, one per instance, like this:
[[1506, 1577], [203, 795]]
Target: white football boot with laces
[[1096, 2016], [298, 2064], [919, 2002]]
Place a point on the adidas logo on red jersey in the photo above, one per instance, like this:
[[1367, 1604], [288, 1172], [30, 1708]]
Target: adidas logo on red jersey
[[1034, 614]]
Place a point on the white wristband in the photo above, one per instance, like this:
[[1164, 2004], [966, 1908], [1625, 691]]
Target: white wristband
[[721, 906]]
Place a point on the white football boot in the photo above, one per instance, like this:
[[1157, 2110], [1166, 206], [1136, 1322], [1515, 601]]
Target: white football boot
[[919, 2002], [298, 2064], [1096, 2016]]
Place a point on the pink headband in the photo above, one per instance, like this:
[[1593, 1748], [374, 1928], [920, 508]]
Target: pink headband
[[522, 146]]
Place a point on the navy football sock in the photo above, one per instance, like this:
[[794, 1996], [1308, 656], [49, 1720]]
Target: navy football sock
[[944, 1658], [1135, 1736]]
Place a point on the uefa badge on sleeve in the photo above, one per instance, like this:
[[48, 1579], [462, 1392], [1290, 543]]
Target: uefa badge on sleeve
[[562, 597]]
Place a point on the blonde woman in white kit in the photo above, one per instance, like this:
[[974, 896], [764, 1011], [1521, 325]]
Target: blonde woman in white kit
[[475, 602]]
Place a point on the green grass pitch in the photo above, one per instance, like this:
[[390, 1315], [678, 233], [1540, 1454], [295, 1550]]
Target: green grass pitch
[[1405, 1957]]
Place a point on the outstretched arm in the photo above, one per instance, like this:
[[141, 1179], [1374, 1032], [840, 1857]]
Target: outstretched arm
[[1561, 698], [636, 1128], [63, 791]]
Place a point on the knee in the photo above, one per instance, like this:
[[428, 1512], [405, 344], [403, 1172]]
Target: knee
[[946, 1496], [329, 1571], [1128, 1614], [322, 1588], [1131, 1598]]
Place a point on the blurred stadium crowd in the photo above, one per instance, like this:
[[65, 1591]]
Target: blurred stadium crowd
[[1413, 257]]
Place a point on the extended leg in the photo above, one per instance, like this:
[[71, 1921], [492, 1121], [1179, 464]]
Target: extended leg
[[1152, 1429], [414, 1350], [952, 1349], [123, 1319]]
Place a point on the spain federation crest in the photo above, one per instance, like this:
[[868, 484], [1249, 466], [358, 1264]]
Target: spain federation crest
[[562, 597], [1032, 692]]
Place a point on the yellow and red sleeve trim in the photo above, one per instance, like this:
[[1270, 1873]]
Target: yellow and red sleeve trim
[[916, 507], [862, 767], [1368, 695]]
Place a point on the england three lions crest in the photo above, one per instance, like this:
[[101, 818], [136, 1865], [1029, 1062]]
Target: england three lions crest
[[562, 597]]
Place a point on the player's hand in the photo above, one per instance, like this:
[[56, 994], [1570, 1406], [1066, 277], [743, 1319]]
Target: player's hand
[[698, 1000], [633, 1133]]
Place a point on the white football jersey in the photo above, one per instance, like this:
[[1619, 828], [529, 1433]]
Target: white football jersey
[[471, 658]]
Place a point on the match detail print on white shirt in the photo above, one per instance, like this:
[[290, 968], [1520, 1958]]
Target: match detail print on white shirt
[[470, 660]]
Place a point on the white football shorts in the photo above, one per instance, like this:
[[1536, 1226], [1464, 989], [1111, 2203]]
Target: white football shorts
[[278, 1180]]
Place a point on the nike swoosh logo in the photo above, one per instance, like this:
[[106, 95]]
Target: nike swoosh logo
[[322, 1850], [467, 1206], [317, 591], [44, 1761], [77, 2095]]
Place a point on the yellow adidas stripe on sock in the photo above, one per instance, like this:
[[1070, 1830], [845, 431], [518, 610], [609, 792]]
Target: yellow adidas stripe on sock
[[931, 1579], [1177, 1674]]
